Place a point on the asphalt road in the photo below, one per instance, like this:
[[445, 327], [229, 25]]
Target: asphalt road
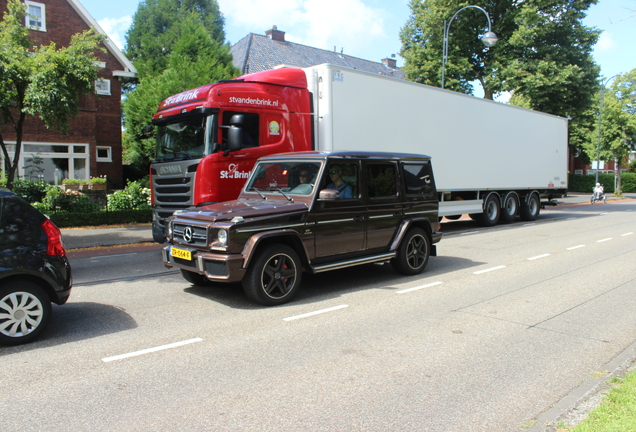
[[504, 323]]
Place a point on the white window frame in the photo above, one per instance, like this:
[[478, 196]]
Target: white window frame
[[578, 172], [70, 155], [108, 158], [105, 90], [27, 17]]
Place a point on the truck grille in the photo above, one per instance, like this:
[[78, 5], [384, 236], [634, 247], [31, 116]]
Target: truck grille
[[199, 234]]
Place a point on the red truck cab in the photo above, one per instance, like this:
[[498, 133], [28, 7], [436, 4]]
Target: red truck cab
[[209, 138]]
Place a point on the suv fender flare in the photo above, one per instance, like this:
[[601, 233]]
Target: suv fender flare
[[423, 223], [254, 241]]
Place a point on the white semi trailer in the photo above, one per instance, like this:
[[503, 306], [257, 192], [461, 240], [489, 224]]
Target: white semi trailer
[[492, 161]]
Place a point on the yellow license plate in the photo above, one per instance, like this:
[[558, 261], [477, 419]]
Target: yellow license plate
[[181, 253]]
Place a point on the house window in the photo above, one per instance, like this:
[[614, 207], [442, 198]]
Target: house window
[[104, 154], [35, 18], [578, 171], [102, 87], [53, 162]]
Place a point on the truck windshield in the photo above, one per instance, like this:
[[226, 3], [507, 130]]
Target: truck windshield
[[188, 139], [288, 177]]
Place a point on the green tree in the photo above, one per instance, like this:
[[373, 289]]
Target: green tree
[[156, 28], [40, 81], [618, 122], [543, 57], [195, 59]]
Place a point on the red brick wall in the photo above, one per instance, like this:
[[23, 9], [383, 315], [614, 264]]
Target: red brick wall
[[99, 120]]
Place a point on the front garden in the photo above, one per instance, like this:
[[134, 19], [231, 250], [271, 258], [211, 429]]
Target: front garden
[[78, 203]]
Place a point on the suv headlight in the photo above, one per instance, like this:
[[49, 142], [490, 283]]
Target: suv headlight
[[222, 237]]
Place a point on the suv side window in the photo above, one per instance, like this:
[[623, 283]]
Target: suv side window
[[343, 177], [418, 180], [381, 180]]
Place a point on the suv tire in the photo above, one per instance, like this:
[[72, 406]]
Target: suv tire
[[274, 275], [413, 253], [25, 312]]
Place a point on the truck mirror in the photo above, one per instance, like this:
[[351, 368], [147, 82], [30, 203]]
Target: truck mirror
[[234, 138], [328, 194], [237, 120], [148, 130]]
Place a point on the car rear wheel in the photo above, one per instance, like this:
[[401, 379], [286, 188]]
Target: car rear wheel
[[274, 275], [25, 312], [413, 253]]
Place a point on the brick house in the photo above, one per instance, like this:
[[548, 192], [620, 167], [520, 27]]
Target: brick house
[[93, 145], [255, 53]]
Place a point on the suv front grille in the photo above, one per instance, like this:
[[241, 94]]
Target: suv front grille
[[199, 234]]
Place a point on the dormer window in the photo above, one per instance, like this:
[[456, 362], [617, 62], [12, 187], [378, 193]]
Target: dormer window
[[35, 18]]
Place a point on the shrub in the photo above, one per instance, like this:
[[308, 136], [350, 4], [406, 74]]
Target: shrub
[[57, 199], [585, 183], [71, 181], [134, 196], [75, 219], [628, 182], [98, 180], [31, 190]]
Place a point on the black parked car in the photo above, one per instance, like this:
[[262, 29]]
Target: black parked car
[[34, 270]]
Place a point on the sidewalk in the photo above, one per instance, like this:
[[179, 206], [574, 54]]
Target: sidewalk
[[76, 238]]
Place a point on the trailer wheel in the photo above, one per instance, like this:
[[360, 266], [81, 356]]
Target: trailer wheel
[[510, 208], [195, 278], [530, 211], [492, 208], [413, 252], [274, 275]]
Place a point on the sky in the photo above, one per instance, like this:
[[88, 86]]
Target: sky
[[368, 29]]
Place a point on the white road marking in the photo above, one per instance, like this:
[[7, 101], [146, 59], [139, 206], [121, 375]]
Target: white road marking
[[489, 270], [150, 350], [109, 256], [315, 313], [418, 287], [470, 232], [575, 247], [626, 234], [538, 256], [604, 240]]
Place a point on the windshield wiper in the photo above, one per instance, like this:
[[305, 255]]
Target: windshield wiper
[[259, 192], [284, 194]]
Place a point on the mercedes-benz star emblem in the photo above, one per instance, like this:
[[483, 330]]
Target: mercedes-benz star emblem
[[187, 234]]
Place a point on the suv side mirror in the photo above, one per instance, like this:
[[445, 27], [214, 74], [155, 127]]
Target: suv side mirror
[[235, 133], [328, 195]]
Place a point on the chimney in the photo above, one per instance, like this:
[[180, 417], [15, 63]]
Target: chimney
[[275, 34], [390, 62]]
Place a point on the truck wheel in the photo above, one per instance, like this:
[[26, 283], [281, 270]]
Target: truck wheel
[[490, 216], [510, 208], [530, 211], [413, 252], [25, 311], [195, 278], [274, 275]]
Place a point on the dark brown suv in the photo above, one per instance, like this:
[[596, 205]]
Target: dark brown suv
[[310, 212]]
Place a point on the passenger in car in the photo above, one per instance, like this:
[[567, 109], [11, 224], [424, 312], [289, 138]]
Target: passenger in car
[[335, 175]]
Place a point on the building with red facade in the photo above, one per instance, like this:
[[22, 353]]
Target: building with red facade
[[93, 145]]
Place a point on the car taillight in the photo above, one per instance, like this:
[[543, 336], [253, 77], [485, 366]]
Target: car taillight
[[54, 245]]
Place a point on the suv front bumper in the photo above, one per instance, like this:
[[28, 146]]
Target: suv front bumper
[[216, 267]]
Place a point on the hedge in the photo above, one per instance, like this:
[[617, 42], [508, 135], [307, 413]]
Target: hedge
[[585, 183], [71, 219]]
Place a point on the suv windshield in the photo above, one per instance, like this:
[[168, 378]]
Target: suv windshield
[[289, 177], [187, 139]]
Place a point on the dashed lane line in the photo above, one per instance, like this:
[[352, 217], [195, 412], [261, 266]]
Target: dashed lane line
[[575, 247], [150, 350], [321, 311], [418, 287], [538, 257], [603, 240], [489, 270]]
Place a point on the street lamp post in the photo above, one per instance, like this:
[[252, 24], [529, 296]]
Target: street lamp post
[[489, 38], [600, 118]]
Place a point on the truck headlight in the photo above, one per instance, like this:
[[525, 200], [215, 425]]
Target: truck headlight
[[222, 237]]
